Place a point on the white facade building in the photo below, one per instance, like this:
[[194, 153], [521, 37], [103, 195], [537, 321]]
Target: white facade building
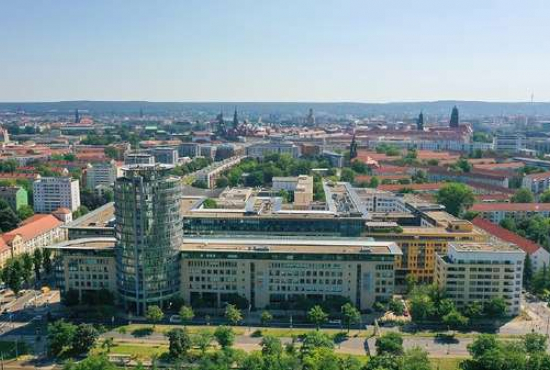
[[51, 193], [101, 174]]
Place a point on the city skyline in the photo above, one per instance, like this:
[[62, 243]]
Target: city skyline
[[243, 51]]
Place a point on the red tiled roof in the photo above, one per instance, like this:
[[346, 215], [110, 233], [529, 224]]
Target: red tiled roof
[[34, 226], [418, 187], [508, 236], [539, 176], [511, 207], [361, 178], [63, 211]]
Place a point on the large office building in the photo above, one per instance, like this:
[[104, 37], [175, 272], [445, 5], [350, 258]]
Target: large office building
[[51, 193], [266, 272], [148, 231], [262, 150], [479, 272]]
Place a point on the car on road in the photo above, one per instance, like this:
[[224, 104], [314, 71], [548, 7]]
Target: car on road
[[175, 319]]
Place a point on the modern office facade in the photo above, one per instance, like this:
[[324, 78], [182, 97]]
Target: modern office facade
[[51, 193], [479, 272], [148, 231], [267, 273]]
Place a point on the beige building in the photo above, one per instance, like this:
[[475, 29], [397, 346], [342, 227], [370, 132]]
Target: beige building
[[265, 272], [87, 265], [479, 272], [273, 272], [301, 186]]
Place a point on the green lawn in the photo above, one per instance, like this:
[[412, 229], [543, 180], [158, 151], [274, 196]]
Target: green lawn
[[446, 363], [285, 332], [140, 351], [162, 329]]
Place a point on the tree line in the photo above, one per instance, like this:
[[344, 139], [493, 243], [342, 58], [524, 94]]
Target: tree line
[[18, 271]]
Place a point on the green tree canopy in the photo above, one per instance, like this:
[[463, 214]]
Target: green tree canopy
[[455, 197]]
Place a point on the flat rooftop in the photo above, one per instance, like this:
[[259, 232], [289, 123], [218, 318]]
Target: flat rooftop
[[85, 244], [306, 246], [484, 247], [99, 217]]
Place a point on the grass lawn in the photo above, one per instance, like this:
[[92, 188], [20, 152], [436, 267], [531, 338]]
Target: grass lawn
[[140, 351], [285, 332], [446, 363], [7, 349], [162, 329]]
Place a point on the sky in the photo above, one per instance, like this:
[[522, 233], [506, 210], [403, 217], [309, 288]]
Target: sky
[[278, 50]]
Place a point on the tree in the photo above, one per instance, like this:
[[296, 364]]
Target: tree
[[397, 307], [209, 203], [266, 317], [421, 307], [389, 343], [351, 315], [179, 343], [535, 342], [224, 336], [445, 307], [25, 212], [496, 307], [222, 182], [347, 175], [317, 316], [84, 338], [523, 195], [482, 344], [314, 340], [14, 276], [455, 197], [545, 197], [474, 310], [202, 340], [60, 338], [463, 165], [415, 358], [455, 319], [154, 314], [8, 218], [37, 262], [95, 362], [26, 267], [271, 346], [47, 260], [186, 313], [107, 344], [411, 281], [374, 182], [233, 314], [527, 271]]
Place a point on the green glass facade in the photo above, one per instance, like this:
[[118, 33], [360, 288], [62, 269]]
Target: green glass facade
[[148, 233], [272, 225]]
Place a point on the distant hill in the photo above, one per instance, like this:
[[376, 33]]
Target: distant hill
[[467, 108]]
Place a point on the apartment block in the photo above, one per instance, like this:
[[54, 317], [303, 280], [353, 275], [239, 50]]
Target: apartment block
[[101, 175], [51, 193], [15, 196], [496, 212], [479, 272], [537, 182]]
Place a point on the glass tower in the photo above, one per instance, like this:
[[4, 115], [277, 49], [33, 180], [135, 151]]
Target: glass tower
[[148, 236]]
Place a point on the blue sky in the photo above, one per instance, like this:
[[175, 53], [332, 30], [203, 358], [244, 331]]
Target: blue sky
[[278, 50]]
